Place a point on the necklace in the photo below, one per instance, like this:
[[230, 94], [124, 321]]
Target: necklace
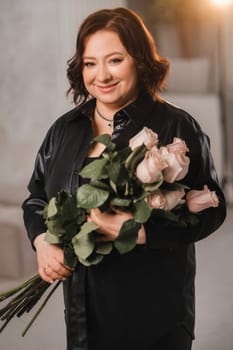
[[110, 121]]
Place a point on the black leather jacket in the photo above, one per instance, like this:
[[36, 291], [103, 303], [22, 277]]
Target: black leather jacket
[[166, 265]]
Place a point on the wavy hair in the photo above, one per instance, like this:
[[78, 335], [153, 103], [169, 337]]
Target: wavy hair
[[136, 38]]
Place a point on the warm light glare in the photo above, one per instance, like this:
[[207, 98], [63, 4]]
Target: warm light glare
[[221, 2]]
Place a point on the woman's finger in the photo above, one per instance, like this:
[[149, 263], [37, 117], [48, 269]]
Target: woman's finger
[[44, 276], [55, 275]]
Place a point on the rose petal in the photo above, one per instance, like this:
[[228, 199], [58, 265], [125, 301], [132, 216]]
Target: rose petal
[[156, 200], [146, 136], [177, 165], [150, 169], [178, 146], [173, 198], [198, 200]]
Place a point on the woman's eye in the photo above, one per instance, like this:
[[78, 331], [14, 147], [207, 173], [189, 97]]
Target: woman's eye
[[116, 60], [88, 64]]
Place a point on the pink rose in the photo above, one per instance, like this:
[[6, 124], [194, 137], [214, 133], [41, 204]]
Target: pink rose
[[156, 200], [146, 136], [177, 146], [177, 164], [149, 170], [173, 198], [202, 199], [167, 200]]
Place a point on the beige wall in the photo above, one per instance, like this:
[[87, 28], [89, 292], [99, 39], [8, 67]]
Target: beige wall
[[209, 71], [36, 39]]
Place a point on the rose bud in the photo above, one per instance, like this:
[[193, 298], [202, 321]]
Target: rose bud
[[177, 165], [150, 168], [146, 136], [156, 200], [173, 198], [202, 199], [177, 146]]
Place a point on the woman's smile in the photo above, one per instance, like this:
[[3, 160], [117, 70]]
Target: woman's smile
[[107, 88], [109, 72]]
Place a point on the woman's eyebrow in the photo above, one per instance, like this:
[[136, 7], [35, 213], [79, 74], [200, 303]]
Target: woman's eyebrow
[[108, 55]]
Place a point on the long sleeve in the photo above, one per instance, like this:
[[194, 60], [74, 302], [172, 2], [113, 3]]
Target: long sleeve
[[34, 205], [201, 172], [57, 165]]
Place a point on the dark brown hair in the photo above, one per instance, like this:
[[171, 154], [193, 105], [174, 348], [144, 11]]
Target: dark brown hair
[[137, 40]]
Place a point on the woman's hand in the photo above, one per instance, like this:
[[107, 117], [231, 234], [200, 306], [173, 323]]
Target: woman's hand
[[109, 225], [50, 260]]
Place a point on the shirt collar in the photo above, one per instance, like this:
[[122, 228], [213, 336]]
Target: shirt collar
[[138, 110], [135, 112]]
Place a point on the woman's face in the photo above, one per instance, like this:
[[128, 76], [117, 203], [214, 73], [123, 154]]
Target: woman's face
[[109, 72]]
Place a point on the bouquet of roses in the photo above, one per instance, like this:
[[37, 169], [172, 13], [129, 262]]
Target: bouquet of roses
[[142, 179]]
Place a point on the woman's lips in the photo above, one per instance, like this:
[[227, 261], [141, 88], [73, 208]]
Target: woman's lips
[[107, 88]]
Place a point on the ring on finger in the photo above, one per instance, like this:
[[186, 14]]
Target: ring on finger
[[46, 269]]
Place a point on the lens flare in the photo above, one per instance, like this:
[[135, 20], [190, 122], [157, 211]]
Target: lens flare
[[221, 3]]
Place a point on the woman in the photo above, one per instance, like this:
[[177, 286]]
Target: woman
[[143, 299]]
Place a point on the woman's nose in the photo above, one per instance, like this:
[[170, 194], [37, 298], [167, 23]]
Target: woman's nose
[[103, 73]]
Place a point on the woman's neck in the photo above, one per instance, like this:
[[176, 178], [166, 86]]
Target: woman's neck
[[108, 110]]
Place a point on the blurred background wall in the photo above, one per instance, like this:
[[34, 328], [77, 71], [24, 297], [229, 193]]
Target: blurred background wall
[[197, 37], [36, 40]]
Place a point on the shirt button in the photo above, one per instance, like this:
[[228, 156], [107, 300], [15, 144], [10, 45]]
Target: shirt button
[[75, 172]]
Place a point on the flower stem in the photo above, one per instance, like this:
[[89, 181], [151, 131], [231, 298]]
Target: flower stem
[[28, 294], [7, 294], [30, 291], [10, 316], [41, 308], [33, 299]]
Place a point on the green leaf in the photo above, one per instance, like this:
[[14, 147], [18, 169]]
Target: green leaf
[[94, 259], [52, 239], [71, 230], [90, 197], [84, 242], [68, 208], [121, 202], [80, 215], [45, 212], [142, 212], [127, 238], [117, 173], [64, 224], [122, 154], [95, 170], [100, 184], [114, 186], [150, 188], [52, 208], [55, 227], [174, 186], [105, 139], [62, 196], [70, 259], [135, 158], [127, 189], [88, 227], [103, 248]]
